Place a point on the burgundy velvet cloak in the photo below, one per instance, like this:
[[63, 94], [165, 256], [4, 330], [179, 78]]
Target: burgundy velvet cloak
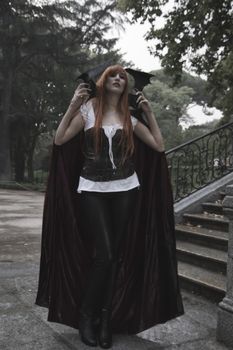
[[147, 288]]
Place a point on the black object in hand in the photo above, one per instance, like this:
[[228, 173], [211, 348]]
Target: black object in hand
[[89, 77], [141, 79]]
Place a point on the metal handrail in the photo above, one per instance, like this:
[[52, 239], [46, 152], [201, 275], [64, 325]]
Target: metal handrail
[[200, 161], [198, 138]]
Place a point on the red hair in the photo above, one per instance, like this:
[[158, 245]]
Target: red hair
[[126, 141]]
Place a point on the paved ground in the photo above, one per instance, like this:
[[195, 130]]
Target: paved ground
[[24, 326]]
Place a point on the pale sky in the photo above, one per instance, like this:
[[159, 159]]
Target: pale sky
[[134, 47]]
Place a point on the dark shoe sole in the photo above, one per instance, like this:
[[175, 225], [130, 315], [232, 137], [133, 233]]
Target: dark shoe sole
[[105, 346], [85, 341]]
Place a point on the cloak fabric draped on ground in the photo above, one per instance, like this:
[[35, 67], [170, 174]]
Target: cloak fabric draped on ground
[[147, 289]]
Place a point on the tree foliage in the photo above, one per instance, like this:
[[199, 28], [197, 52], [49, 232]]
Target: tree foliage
[[197, 32], [43, 47], [198, 130], [171, 104], [201, 94], [170, 107]]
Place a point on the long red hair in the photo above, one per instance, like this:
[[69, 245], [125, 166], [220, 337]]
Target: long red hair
[[126, 140]]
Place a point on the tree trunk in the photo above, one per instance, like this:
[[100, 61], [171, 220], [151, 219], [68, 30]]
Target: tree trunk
[[19, 161], [30, 167], [5, 165]]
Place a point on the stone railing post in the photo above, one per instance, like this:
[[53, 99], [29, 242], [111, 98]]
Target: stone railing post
[[225, 310]]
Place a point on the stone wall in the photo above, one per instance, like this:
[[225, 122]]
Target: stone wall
[[225, 311]]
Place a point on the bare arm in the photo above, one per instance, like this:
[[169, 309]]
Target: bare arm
[[69, 127], [72, 122], [152, 136]]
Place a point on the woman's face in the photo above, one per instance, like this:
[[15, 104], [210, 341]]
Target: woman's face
[[116, 82]]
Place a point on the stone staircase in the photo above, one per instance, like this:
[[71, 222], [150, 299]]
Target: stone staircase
[[202, 243]]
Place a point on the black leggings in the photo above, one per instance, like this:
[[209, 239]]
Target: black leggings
[[106, 215]]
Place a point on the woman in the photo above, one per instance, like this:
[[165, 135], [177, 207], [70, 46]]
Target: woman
[[112, 112], [108, 191]]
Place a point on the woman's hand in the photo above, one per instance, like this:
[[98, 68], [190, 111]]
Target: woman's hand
[[151, 136], [81, 94], [143, 103]]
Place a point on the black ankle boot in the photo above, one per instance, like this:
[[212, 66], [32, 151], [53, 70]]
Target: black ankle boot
[[105, 332], [87, 330]]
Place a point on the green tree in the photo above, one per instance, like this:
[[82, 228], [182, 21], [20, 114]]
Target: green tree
[[170, 108], [201, 94], [45, 39], [198, 130], [200, 32]]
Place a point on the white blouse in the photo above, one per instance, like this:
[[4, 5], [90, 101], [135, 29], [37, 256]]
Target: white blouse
[[128, 183]]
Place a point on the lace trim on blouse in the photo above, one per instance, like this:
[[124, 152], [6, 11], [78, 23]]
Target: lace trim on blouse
[[88, 115]]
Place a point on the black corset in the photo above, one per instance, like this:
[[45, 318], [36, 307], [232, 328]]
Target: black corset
[[100, 167]]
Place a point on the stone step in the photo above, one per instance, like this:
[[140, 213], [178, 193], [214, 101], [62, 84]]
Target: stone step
[[206, 257], [202, 236], [199, 280], [213, 207], [212, 221]]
